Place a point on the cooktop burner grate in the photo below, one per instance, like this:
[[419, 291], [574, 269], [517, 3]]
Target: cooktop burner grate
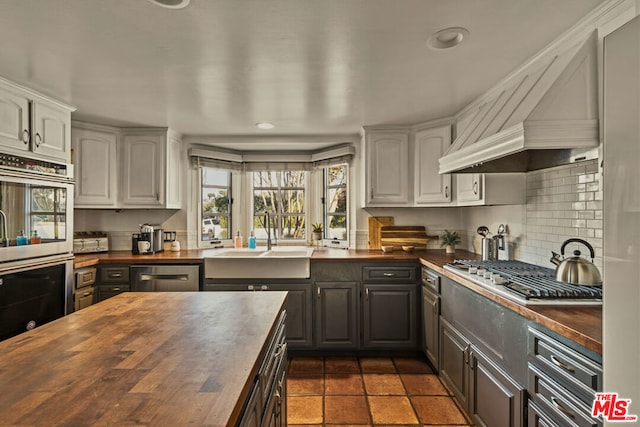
[[532, 281]]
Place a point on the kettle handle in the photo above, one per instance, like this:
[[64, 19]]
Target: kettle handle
[[575, 240]]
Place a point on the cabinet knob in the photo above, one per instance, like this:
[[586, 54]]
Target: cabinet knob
[[475, 187], [26, 136], [39, 140], [366, 293], [446, 192]]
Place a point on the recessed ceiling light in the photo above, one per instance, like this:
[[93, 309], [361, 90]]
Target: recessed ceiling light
[[448, 38], [171, 4], [265, 125]]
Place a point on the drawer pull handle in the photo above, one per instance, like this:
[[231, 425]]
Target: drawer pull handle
[[366, 293], [281, 349], [115, 289], [561, 408], [389, 274], [558, 363], [116, 275], [318, 293]]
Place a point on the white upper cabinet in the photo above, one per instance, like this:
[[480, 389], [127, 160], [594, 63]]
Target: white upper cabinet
[[469, 187], [431, 188], [95, 159], [51, 134], [32, 125], [491, 189], [14, 121], [387, 167], [151, 169], [127, 168]]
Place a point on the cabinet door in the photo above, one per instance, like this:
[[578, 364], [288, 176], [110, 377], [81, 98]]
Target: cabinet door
[[299, 314], [95, 163], [336, 315], [387, 168], [454, 353], [51, 133], [143, 166], [431, 325], [14, 121], [429, 186], [174, 172], [390, 316], [495, 400], [469, 187]]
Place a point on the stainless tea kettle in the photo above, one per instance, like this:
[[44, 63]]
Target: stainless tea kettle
[[576, 270]]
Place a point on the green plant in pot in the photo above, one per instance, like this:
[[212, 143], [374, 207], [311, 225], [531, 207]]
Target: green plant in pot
[[449, 240], [318, 228]]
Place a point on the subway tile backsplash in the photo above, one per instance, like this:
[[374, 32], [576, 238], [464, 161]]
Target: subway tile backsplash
[[562, 203]]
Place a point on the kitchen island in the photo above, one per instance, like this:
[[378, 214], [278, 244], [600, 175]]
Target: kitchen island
[[142, 358]]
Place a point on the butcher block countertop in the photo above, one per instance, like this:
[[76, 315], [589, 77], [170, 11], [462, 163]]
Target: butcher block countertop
[[140, 359], [580, 324]]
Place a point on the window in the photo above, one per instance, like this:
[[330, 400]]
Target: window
[[48, 212], [335, 207], [282, 195], [216, 203]]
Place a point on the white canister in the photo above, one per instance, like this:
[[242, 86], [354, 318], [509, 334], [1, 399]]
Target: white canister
[[175, 246]]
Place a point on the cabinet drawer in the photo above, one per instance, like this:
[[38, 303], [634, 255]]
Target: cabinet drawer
[[389, 274], [431, 280], [274, 356], [115, 274], [566, 364], [558, 401]]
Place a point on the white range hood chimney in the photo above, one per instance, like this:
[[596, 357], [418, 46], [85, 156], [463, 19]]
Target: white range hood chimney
[[545, 115]]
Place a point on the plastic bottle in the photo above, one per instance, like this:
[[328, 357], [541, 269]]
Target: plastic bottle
[[35, 239], [252, 240], [22, 240], [237, 242]]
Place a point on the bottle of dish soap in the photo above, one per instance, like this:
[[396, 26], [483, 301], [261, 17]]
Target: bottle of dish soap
[[237, 242], [35, 239], [22, 240], [252, 240]]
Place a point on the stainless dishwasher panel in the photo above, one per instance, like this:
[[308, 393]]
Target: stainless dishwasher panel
[[165, 278]]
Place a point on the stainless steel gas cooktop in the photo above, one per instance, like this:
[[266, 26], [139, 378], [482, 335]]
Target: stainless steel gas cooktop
[[524, 283]]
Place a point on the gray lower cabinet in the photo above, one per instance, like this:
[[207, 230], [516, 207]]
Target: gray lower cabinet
[[390, 316], [299, 307], [495, 400], [454, 359], [113, 279], [336, 315], [489, 394], [431, 316], [266, 405], [562, 381]]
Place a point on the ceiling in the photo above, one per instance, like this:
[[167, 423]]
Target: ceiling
[[311, 67]]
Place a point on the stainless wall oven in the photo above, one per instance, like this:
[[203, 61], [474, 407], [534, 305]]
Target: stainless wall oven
[[36, 242]]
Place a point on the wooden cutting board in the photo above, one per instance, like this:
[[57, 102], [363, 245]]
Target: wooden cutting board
[[398, 236], [375, 224]]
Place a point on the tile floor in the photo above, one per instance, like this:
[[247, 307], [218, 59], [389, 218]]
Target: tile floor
[[368, 391]]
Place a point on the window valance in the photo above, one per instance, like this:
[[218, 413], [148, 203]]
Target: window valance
[[270, 160]]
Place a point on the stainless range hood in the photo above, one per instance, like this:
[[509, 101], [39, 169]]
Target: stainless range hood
[[544, 115]]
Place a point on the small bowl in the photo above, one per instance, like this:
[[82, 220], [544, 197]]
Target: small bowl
[[408, 248], [387, 248]]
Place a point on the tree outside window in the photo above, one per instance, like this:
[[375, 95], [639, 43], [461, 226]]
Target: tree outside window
[[282, 195], [216, 203]]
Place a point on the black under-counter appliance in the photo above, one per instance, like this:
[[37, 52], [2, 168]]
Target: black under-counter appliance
[[30, 298]]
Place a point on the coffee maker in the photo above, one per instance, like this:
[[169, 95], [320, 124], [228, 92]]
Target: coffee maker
[[138, 240]]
